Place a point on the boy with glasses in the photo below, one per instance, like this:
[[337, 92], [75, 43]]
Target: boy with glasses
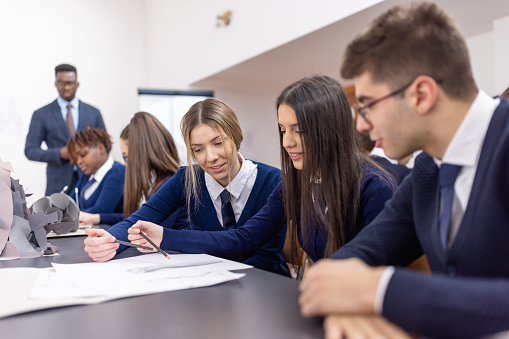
[[416, 91]]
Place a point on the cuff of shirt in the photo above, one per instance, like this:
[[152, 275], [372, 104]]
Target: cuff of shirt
[[382, 288]]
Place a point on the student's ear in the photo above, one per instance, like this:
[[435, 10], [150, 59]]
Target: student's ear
[[423, 94], [101, 149]]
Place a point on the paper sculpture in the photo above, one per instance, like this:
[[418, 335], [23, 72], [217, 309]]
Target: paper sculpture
[[22, 230]]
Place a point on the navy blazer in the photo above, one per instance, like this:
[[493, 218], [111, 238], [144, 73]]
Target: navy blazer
[[48, 125], [467, 295], [108, 196], [237, 243], [171, 196]]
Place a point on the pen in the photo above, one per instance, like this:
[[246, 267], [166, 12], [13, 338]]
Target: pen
[[76, 196], [133, 245], [155, 246]]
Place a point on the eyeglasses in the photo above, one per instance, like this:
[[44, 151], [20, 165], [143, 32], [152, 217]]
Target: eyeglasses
[[64, 84], [362, 108]]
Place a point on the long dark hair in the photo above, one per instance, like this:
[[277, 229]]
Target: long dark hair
[[332, 158], [152, 155]]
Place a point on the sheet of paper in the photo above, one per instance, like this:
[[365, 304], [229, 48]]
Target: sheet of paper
[[70, 234], [38, 288], [143, 269], [16, 300], [143, 274], [52, 286]]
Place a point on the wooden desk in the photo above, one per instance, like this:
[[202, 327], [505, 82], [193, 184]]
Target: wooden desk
[[259, 305]]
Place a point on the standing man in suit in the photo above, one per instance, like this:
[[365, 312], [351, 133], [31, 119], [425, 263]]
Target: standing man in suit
[[54, 124], [416, 91]]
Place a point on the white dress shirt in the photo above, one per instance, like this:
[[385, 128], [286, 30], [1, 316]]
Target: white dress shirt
[[240, 188], [74, 109], [463, 150], [98, 176]]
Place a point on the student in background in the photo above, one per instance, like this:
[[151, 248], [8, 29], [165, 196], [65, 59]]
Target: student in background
[[417, 91], [101, 189], [330, 188], [222, 191], [153, 160], [396, 170]]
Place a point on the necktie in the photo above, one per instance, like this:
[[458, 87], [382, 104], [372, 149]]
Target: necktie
[[69, 122], [446, 178], [84, 189], [227, 211]]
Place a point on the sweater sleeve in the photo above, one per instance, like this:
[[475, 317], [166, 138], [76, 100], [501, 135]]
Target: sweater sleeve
[[236, 244], [110, 218], [439, 306], [390, 238], [166, 200]]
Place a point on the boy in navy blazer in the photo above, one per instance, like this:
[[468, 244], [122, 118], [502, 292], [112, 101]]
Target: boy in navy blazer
[[416, 91], [54, 124]]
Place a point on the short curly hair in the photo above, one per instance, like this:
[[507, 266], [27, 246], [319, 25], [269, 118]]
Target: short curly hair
[[90, 137]]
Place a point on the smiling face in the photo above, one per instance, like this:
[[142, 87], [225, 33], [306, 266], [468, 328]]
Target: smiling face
[[392, 123], [90, 159], [215, 152], [292, 141]]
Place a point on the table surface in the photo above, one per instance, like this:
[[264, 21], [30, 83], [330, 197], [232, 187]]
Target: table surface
[[259, 305]]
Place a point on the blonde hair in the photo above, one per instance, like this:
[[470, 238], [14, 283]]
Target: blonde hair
[[217, 115]]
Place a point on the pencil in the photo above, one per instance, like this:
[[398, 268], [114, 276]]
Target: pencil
[[133, 245], [155, 246]]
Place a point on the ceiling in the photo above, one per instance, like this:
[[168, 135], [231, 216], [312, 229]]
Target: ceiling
[[320, 52]]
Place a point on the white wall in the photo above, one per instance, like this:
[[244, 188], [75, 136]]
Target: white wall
[[489, 53], [501, 50], [481, 49], [103, 39], [183, 44], [257, 117]]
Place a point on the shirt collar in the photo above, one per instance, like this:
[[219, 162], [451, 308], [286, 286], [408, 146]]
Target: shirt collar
[[236, 185], [465, 146], [101, 172], [63, 103]]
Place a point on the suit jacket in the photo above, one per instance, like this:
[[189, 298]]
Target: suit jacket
[[108, 196], [48, 125], [171, 195], [467, 295]]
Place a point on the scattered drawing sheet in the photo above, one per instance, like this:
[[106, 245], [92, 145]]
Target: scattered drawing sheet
[[91, 283], [80, 231]]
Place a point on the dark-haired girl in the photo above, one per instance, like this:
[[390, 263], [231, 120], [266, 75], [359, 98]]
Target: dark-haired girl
[[101, 189]]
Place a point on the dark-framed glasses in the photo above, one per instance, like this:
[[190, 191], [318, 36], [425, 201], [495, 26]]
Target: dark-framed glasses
[[66, 83], [362, 108]]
